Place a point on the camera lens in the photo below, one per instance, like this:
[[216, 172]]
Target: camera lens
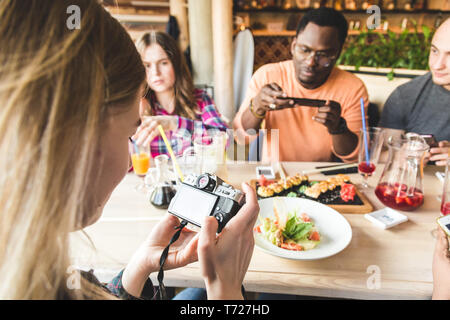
[[203, 181]]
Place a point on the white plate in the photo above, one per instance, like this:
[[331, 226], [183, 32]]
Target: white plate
[[334, 229]]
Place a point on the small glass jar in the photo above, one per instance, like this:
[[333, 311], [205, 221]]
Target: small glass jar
[[163, 191]]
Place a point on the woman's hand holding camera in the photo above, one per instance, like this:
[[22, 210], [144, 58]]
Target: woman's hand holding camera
[[146, 259], [224, 259]]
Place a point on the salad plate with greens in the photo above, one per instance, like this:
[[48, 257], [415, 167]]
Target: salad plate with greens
[[300, 229]]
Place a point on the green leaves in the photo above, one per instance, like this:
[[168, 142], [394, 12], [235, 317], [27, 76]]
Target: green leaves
[[390, 75], [391, 50], [296, 230], [426, 33]]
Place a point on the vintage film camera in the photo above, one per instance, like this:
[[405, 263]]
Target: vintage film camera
[[206, 195]]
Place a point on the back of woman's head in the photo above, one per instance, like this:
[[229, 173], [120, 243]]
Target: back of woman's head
[[56, 87], [183, 87]]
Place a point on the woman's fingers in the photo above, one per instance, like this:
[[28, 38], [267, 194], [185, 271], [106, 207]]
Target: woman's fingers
[[247, 215], [207, 238], [206, 246], [164, 230], [148, 132], [251, 203], [187, 254], [153, 134]]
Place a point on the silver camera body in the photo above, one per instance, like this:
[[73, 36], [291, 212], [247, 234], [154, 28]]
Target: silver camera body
[[206, 195]]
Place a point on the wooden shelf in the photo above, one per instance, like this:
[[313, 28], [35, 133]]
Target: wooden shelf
[[141, 18], [296, 10], [291, 33], [267, 33], [138, 3]]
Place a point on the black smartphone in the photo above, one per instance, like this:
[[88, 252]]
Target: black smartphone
[[304, 102], [430, 140]]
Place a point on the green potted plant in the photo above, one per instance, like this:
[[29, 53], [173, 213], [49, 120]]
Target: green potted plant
[[405, 50]]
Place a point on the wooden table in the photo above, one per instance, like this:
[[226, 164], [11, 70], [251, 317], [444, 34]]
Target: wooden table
[[377, 264]]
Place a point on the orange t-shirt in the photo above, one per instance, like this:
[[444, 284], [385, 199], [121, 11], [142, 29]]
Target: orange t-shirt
[[300, 137]]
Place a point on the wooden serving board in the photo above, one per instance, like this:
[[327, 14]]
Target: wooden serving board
[[366, 207]]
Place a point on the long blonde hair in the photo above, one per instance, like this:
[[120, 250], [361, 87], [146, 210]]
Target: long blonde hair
[[185, 102], [56, 85]]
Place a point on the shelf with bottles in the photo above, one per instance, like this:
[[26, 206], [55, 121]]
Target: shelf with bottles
[[346, 6], [291, 33], [284, 24]]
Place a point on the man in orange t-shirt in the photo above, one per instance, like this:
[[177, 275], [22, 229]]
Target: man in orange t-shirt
[[307, 133]]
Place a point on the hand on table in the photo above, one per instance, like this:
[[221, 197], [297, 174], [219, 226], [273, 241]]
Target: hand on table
[[440, 153], [441, 267], [224, 259], [329, 115], [148, 129]]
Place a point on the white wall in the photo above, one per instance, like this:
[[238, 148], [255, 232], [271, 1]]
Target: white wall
[[380, 87]]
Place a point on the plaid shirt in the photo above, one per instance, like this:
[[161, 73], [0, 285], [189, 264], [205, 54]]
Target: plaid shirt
[[208, 120], [116, 288]]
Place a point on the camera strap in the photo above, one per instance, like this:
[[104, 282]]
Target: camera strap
[[162, 260]]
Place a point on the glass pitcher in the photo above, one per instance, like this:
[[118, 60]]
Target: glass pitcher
[[400, 185], [163, 190]]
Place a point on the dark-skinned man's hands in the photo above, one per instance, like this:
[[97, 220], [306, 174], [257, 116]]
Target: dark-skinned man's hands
[[329, 115]]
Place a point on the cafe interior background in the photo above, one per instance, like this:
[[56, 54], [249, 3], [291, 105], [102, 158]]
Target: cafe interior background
[[208, 30], [222, 65]]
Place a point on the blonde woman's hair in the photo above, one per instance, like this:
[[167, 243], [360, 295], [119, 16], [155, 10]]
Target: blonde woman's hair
[[185, 102], [56, 86]]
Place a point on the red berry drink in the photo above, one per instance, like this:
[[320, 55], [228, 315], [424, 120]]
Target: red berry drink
[[395, 196], [366, 168], [445, 208]]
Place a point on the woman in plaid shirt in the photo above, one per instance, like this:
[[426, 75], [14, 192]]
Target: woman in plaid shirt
[[184, 112]]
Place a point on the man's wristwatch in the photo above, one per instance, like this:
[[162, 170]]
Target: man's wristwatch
[[342, 127]]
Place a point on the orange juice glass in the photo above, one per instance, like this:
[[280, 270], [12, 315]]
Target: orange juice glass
[[140, 158], [141, 163]]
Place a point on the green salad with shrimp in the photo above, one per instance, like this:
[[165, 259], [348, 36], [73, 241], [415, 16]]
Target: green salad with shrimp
[[289, 230]]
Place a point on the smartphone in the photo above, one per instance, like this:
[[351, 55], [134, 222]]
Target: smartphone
[[303, 102], [430, 140], [444, 223]]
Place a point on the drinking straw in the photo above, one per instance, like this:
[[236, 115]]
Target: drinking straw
[[172, 155], [364, 131], [136, 150]]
